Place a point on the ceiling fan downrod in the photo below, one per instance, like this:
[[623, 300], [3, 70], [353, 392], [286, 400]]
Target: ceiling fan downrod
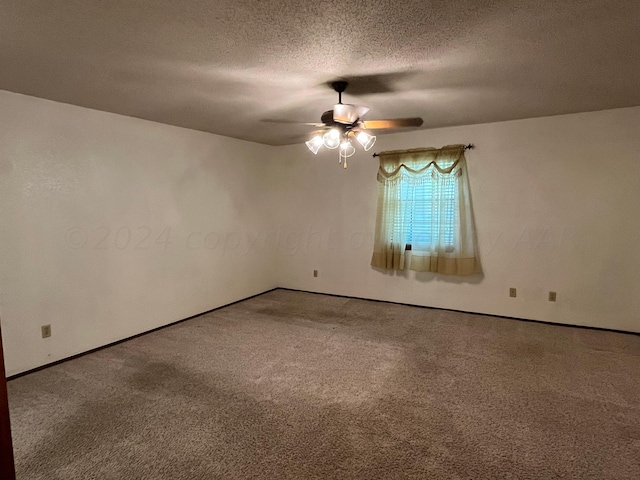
[[339, 86]]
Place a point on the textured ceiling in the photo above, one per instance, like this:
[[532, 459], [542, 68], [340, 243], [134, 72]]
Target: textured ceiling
[[232, 67]]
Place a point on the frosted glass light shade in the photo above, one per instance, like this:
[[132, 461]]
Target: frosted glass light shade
[[314, 144], [365, 140], [331, 139], [346, 149]]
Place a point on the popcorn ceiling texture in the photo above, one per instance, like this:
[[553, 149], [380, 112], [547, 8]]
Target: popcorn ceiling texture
[[226, 67]]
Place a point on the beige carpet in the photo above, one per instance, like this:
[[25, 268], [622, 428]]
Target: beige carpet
[[291, 385]]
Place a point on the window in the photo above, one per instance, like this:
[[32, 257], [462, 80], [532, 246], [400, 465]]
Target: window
[[428, 211], [424, 218]]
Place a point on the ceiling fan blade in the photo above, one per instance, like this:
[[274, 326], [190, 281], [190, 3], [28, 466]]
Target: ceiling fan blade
[[348, 114], [292, 122], [392, 123]]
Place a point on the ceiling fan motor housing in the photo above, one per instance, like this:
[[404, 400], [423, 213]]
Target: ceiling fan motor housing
[[329, 121]]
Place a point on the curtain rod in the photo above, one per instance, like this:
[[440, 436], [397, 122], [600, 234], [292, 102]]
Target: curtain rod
[[466, 147]]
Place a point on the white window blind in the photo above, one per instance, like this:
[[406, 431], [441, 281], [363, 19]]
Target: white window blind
[[427, 213]]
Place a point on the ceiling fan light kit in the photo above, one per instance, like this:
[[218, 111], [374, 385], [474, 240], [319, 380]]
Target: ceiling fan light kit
[[345, 122]]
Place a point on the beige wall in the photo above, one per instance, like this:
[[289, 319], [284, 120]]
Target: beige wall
[[104, 222], [557, 208], [111, 226]]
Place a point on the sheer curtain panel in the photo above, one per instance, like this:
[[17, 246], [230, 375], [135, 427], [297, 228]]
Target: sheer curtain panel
[[425, 221]]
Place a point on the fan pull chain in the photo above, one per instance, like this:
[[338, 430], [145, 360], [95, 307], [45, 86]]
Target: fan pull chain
[[342, 157]]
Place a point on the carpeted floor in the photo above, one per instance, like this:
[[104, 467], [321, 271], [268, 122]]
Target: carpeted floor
[[291, 385]]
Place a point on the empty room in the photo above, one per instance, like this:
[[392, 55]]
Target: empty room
[[319, 240]]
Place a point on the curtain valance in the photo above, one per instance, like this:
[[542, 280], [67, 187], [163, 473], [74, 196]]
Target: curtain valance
[[415, 162]]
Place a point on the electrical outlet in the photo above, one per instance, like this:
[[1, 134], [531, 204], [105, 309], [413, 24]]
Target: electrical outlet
[[552, 296], [512, 292], [315, 273], [46, 331]]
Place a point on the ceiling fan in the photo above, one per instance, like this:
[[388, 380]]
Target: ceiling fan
[[345, 122]]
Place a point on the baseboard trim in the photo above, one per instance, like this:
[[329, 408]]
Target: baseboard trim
[[77, 355], [66, 359], [566, 325]]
